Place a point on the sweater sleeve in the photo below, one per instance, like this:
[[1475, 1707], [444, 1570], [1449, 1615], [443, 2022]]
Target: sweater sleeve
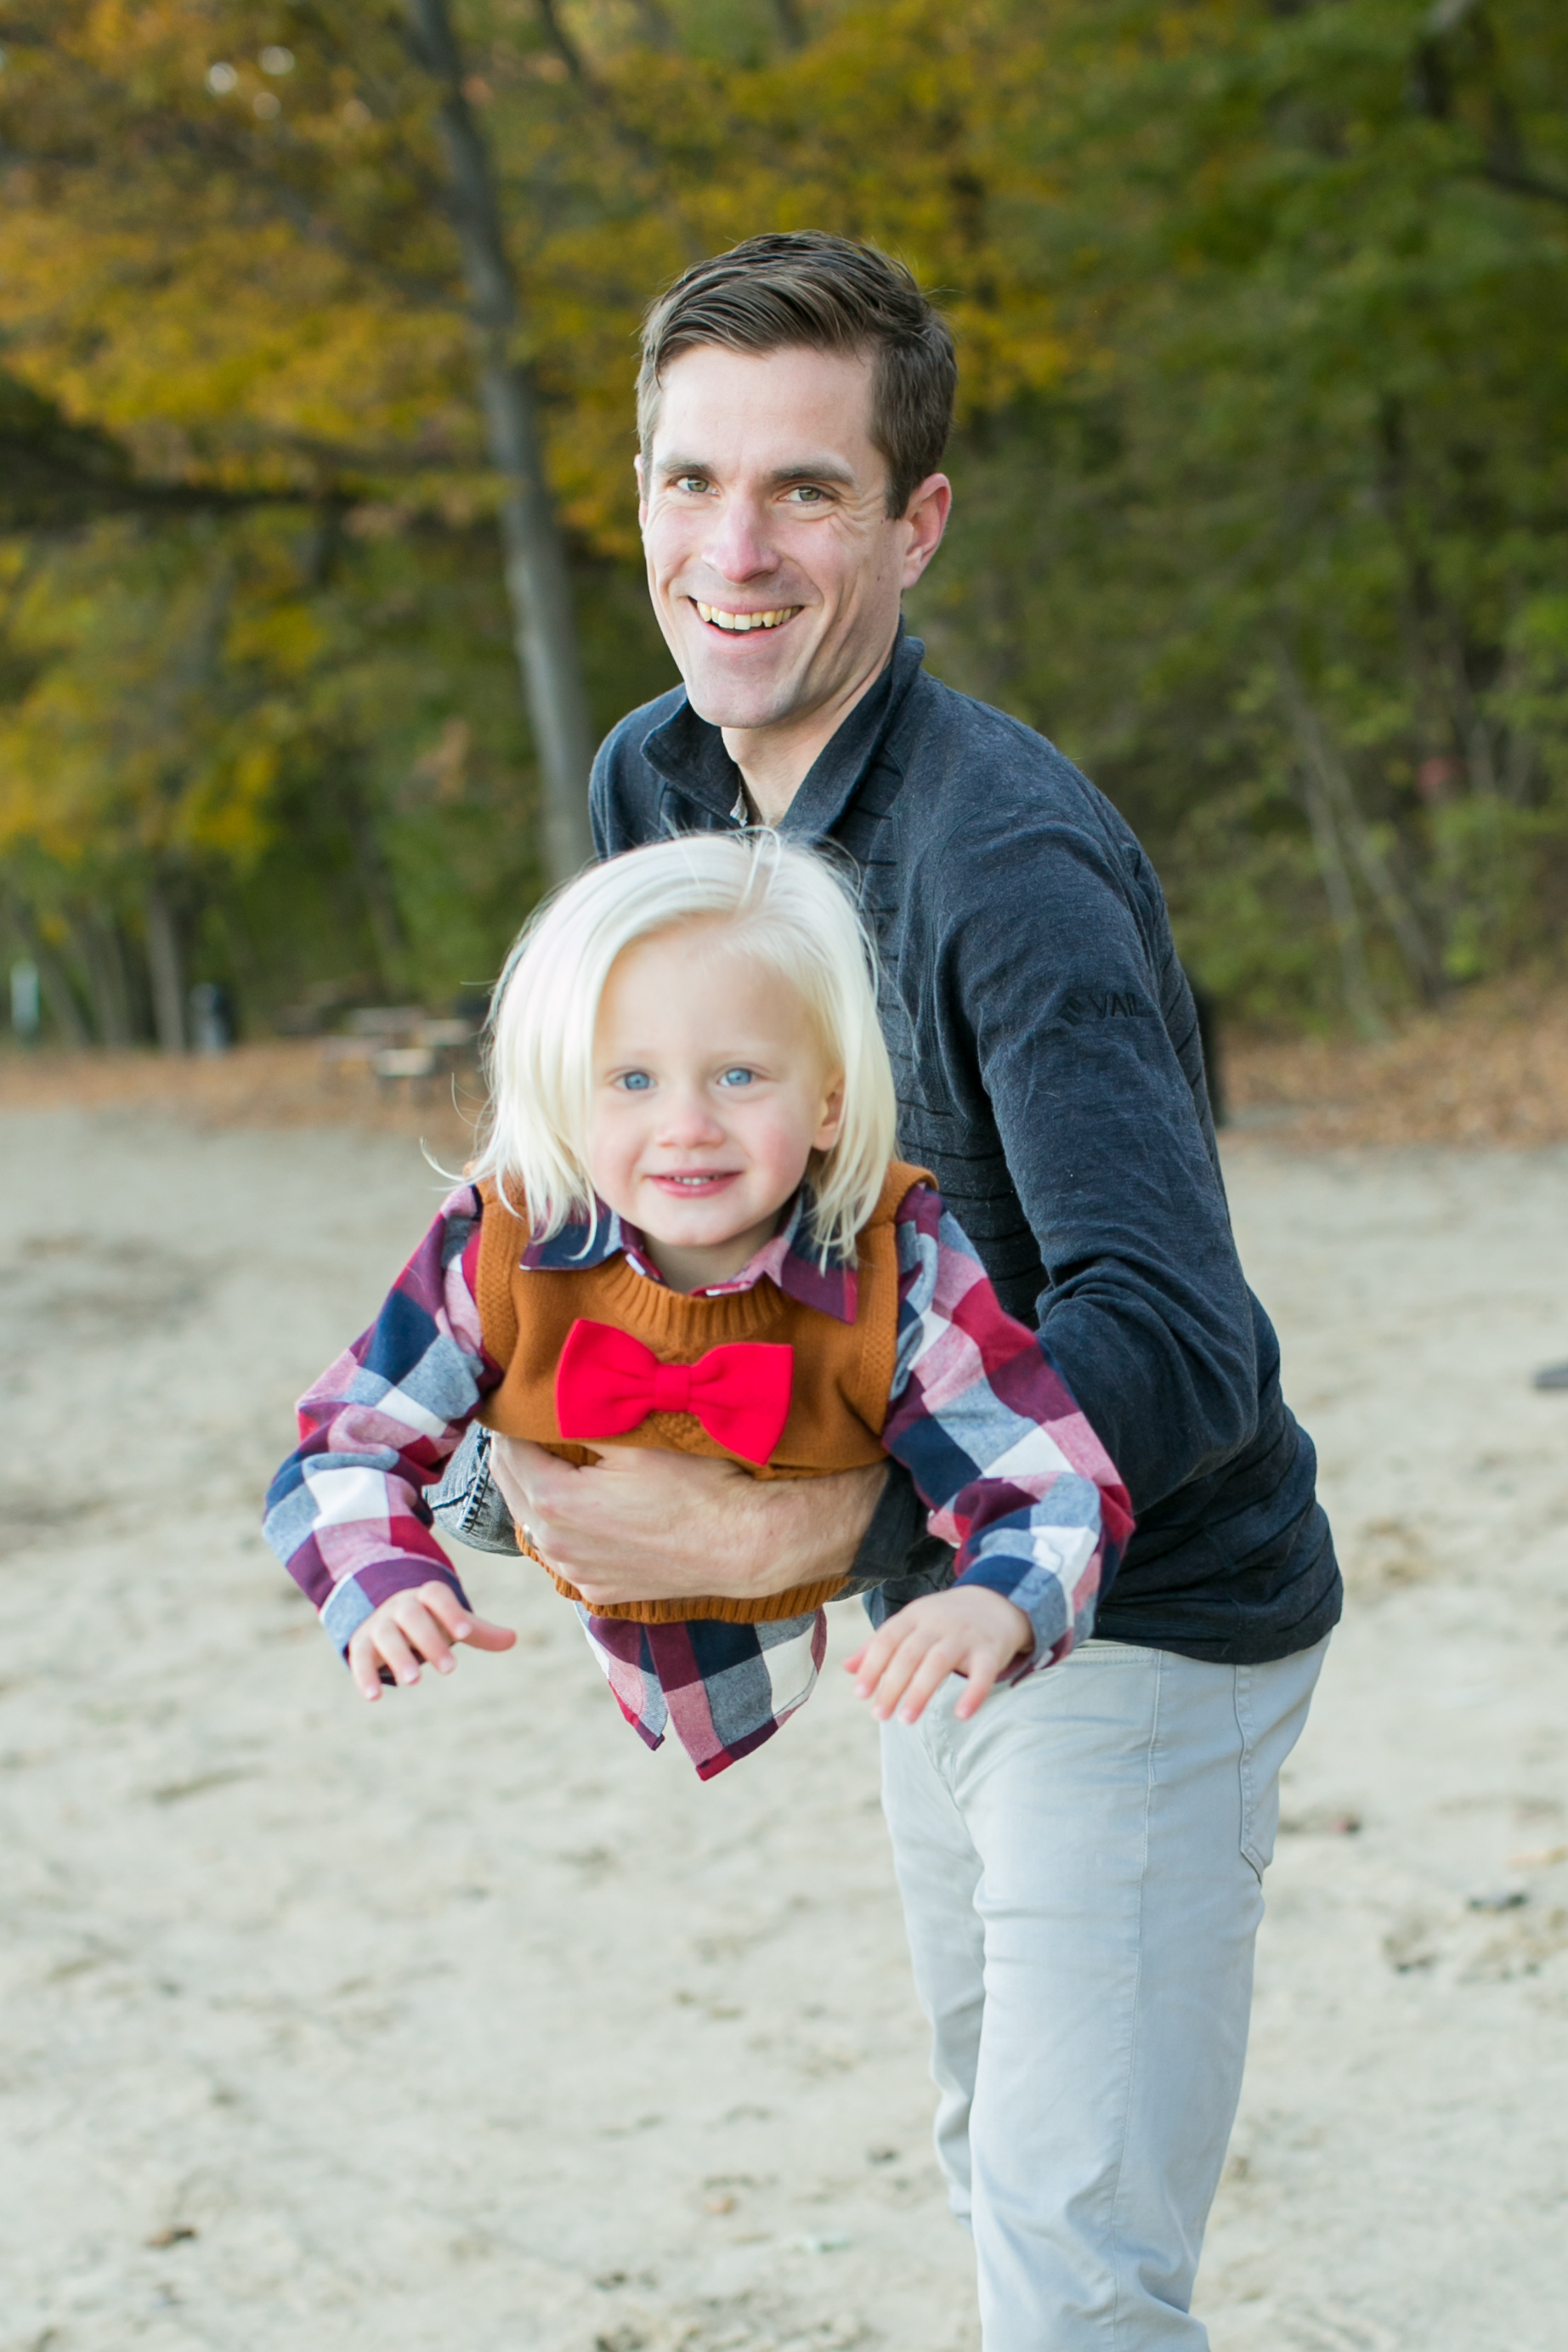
[[1011, 1471], [1059, 972], [346, 1513]]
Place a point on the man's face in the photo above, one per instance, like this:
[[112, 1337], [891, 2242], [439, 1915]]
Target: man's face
[[774, 567]]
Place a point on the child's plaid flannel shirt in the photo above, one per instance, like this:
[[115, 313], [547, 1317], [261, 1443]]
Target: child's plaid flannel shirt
[[1011, 1472]]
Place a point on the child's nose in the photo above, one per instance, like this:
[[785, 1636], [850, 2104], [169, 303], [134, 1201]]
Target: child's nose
[[689, 1117]]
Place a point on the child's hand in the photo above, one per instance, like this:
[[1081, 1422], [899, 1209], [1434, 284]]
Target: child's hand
[[969, 1630], [413, 1626]]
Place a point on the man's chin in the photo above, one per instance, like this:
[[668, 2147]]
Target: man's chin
[[723, 703], [721, 693]]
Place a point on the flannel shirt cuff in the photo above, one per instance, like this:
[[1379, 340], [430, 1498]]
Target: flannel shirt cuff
[[354, 1598], [1038, 1591]]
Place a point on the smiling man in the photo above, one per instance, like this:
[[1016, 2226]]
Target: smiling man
[[1081, 1861], [780, 539]]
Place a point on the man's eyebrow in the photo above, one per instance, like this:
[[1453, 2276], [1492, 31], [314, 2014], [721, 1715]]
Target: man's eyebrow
[[806, 469], [817, 469]]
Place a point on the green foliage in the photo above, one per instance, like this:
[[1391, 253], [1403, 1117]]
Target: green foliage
[[1299, 536], [1262, 466]]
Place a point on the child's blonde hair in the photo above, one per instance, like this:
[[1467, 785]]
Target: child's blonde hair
[[784, 906]]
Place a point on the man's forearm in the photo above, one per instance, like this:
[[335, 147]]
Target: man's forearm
[[646, 1525], [803, 1529]]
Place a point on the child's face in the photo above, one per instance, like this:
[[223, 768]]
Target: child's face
[[710, 1094]]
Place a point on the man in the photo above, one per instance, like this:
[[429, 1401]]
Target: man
[[1081, 1862]]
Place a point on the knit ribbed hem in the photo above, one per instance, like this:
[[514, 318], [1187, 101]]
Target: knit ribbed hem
[[725, 1609]]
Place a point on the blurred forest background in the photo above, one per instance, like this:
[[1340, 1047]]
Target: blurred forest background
[[316, 350]]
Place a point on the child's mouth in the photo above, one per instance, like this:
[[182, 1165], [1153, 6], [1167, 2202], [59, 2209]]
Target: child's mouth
[[693, 1185]]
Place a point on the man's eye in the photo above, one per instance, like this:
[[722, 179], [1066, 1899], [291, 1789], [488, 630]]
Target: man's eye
[[807, 494], [689, 482]]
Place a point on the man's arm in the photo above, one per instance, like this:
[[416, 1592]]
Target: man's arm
[[643, 1525], [1050, 970]]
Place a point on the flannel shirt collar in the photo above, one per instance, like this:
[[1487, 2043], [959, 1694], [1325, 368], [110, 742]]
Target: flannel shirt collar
[[789, 1260]]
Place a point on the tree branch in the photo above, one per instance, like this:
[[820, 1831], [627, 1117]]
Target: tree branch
[[563, 45], [169, 132], [1522, 184]]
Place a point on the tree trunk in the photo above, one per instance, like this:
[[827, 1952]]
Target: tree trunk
[[59, 996], [164, 966], [1360, 1002], [792, 23], [1327, 775], [98, 945], [538, 584], [379, 897]]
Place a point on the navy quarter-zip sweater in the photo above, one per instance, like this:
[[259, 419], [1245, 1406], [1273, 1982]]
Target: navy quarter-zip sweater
[[1046, 1054]]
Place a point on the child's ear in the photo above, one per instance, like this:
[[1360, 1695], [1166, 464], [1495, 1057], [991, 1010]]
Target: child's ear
[[832, 1125]]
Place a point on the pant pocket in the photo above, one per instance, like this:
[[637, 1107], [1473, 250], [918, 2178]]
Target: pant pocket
[[1271, 1702]]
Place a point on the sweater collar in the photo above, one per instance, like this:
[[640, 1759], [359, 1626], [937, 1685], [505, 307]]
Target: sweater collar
[[789, 1260], [689, 752]]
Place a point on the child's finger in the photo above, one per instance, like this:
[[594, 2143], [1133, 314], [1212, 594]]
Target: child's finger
[[395, 1653], [895, 1676], [933, 1671], [461, 1624], [483, 1635], [870, 1660], [982, 1682], [874, 1676], [442, 1604], [424, 1631], [364, 1665]]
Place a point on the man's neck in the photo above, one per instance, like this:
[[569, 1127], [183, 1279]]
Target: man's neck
[[774, 762]]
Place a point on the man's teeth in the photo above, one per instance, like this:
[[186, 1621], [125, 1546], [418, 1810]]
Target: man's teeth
[[741, 622]]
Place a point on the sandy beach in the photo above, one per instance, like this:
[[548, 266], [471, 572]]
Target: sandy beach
[[462, 2022]]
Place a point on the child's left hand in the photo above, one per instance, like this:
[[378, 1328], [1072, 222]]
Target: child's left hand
[[968, 1630]]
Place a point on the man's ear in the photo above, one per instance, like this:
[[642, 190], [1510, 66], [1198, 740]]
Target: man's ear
[[925, 518], [642, 489]]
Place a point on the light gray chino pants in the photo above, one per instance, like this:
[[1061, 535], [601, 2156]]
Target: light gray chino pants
[[1081, 1873]]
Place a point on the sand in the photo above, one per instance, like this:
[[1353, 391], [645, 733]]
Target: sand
[[462, 2022]]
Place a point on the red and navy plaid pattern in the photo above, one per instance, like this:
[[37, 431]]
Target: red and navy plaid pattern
[[723, 1689], [1013, 1476]]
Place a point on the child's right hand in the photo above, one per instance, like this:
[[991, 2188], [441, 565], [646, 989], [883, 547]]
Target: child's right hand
[[418, 1626]]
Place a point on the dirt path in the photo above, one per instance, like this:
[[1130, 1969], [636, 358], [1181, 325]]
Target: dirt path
[[466, 2024]]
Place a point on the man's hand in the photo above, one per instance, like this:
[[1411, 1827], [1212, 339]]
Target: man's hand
[[643, 1525], [419, 1626], [969, 1630]]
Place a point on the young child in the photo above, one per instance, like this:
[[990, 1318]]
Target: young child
[[686, 1230]]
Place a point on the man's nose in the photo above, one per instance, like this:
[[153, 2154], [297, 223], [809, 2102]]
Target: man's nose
[[739, 547]]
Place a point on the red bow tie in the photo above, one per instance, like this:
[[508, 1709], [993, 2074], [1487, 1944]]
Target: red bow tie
[[607, 1382]]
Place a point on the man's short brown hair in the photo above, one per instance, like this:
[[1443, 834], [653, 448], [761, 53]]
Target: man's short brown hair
[[807, 291]]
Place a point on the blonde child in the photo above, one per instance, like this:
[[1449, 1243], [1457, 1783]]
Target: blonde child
[[686, 1229]]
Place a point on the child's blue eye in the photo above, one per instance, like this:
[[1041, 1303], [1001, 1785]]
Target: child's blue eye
[[636, 1082], [738, 1077]]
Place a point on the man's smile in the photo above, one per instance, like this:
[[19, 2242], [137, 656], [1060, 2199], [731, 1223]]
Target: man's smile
[[741, 623]]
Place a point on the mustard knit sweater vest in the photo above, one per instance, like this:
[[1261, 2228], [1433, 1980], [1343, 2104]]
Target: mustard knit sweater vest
[[838, 1401]]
